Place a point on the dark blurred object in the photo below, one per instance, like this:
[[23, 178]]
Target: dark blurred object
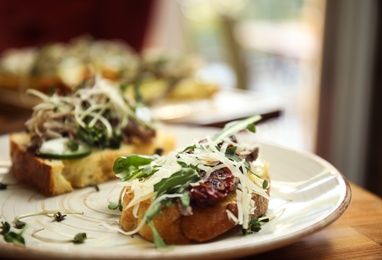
[[38, 22]]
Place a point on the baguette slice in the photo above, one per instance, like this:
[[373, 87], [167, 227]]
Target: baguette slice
[[53, 177], [205, 223]]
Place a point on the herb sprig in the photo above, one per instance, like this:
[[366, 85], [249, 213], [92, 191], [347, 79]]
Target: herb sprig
[[79, 238], [51, 213]]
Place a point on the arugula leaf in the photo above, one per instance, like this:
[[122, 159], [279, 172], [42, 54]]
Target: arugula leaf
[[158, 241], [177, 182], [156, 209], [231, 150], [129, 167], [185, 199]]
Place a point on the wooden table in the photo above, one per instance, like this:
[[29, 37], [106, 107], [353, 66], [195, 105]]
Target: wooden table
[[356, 234]]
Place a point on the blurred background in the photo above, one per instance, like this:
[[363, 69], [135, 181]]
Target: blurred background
[[313, 63]]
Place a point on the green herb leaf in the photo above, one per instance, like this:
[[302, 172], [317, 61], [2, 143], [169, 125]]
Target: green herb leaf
[[158, 241], [155, 209], [185, 199], [5, 228], [98, 137], [254, 225], [79, 238], [265, 184], [19, 224], [128, 167], [177, 182], [231, 150], [58, 217], [14, 238], [72, 145], [252, 128], [113, 205]]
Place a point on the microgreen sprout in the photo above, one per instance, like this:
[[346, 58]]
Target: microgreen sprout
[[79, 238], [46, 212], [19, 224], [113, 205], [59, 217], [10, 236], [255, 225]]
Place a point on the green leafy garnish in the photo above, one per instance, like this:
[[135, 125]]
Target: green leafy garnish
[[98, 137], [19, 224], [79, 238], [254, 225], [10, 236], [158, 241], [177, 182], [129, 167], [114, 206], [58, 217], [5, 228], [72, 145], [265, 184], [46, 212], [15, 238]]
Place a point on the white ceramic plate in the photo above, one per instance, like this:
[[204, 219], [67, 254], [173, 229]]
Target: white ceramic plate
[[307, 195]]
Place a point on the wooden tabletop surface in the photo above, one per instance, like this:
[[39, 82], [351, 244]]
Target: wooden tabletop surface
[[357, 234]]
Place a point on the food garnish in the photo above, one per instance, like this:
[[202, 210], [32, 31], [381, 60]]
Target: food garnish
[[11, 236], [79, 238], [56, 215]]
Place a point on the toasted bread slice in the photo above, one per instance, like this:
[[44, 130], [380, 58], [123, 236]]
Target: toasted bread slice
[[53, 177], [205, 223]]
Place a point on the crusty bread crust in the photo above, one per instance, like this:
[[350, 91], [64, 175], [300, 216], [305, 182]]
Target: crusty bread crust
[[205, 223], [53, 177]]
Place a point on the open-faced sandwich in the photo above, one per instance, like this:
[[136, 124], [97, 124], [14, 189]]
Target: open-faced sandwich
[[161, 76], [198, 193], [71, 141]]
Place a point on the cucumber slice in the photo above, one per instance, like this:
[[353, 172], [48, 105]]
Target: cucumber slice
[[60, 149]]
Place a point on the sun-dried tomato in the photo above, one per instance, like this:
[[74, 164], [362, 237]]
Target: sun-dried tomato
[[214, 188]]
